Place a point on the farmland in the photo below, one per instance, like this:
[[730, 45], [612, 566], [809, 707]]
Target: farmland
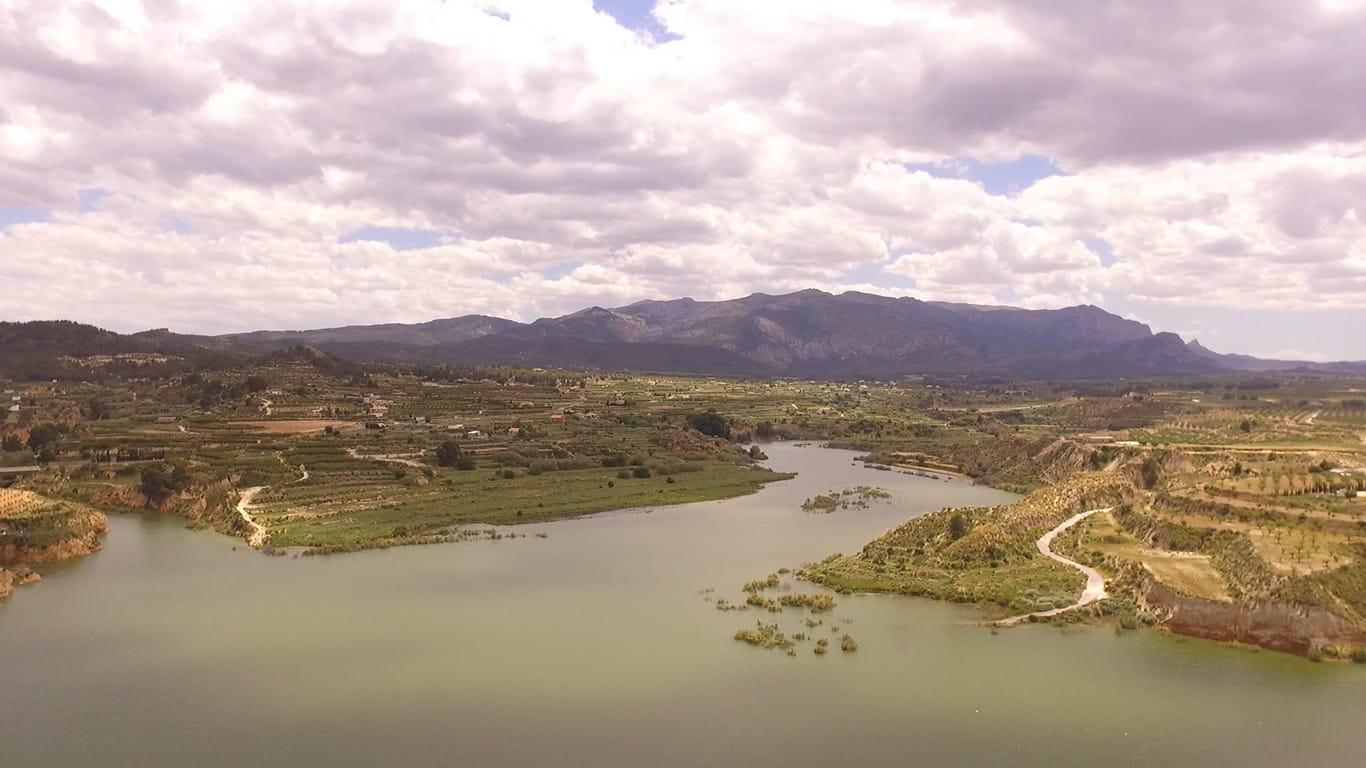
[[1228, 490]]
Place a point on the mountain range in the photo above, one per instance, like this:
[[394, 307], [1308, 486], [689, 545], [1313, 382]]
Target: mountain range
[[808, 334]]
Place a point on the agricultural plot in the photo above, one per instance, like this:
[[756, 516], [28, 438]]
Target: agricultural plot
[[1189, 573]]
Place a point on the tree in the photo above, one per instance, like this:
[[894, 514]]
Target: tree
[[710, 423], [448, 454], [257, 383], [161, 480], [1152, 472], [958, 526], [95, 409], [43, 435], [12, 444]]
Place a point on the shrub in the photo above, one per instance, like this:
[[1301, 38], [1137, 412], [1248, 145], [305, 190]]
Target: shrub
[[162, 480], [641, 472], [958, 526], [711, 424], [448, 454]]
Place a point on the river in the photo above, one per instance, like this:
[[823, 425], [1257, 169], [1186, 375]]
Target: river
[[596, 646]]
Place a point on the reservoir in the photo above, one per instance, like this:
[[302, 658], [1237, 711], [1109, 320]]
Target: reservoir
[[600, 645]]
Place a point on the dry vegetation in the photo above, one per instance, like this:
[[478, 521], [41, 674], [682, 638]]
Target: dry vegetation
[[1240, 488]]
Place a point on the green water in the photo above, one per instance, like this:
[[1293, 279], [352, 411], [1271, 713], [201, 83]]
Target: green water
[[594, 647]]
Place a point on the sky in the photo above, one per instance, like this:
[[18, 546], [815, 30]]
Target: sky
[[215, 167]]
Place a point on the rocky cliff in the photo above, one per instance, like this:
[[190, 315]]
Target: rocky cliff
[[1288, 627], [35, 529]]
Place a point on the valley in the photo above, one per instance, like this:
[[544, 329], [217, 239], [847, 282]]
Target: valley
[[1236, 489]]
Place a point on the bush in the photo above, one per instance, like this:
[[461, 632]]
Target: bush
[[958, 526], [511, 459], [162, 480], [465, 463], [448, 454], [710, 424], [641, 472]]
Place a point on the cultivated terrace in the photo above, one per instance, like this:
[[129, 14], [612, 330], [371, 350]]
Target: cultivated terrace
[[1227, 490]]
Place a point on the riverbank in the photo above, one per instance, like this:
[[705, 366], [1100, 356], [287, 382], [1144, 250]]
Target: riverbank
[[598, 639], [986, 556], [36, 530], [1095, 583], [981, 556]]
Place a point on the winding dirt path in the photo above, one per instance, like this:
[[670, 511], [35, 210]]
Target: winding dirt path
[[1095, 583], [256, 533]]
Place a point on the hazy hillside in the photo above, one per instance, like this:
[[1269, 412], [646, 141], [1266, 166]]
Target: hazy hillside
[[421, 334], [809, 334]]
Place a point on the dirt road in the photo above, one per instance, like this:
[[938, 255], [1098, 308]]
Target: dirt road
[[1095, 583], [256, 535]]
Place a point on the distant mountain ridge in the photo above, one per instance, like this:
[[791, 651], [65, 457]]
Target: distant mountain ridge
[[420, 334], [807, 334]]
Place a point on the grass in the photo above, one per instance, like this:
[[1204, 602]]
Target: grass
[[368, 507], [988, 557], [1188, 573], [32, 522]]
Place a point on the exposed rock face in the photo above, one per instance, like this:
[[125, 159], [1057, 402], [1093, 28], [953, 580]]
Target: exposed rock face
[[1277, 626], [126, 496], [211, 504], [34, 529]]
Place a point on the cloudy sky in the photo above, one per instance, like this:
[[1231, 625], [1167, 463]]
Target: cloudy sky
[[218, 166]]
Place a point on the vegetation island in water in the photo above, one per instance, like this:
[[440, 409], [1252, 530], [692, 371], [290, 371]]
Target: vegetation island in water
[[1232, 504]]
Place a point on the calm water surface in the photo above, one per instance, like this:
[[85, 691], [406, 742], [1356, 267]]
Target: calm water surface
[[595, 646]]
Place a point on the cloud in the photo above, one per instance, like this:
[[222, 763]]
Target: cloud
[[1218, 148]]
